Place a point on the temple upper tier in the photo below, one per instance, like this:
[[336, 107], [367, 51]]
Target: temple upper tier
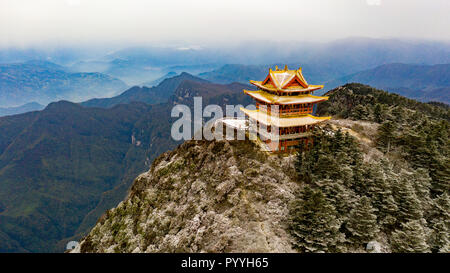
[[286, 81]]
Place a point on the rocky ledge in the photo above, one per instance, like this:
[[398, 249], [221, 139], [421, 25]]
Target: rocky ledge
[[216, 196]]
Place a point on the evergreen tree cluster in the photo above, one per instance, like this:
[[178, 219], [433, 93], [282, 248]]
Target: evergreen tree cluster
[[346, 201], [414, 131], [402, 198]]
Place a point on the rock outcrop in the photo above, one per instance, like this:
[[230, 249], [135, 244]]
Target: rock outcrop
[[216, 196]]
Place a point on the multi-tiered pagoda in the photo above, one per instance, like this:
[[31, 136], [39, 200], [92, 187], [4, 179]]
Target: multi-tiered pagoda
[[284, 106]]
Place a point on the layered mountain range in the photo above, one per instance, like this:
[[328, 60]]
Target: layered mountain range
[[44, 82], [150, 95], [27, 107], [421, 82], [62, 167]]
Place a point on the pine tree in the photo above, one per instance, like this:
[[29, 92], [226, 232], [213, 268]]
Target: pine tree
[[338, 141], [373, 181], [307, 157], [360, 113], [440, 173], [339, 196], [314, 224], [326, 167], [299, 162], [409, 207], [410, 238], [379, 189], [378, 113], [386, 136], [422, 184], [440, 224], [398, 113], [387, 212], [354, 155], [440, 238], [362, 222]]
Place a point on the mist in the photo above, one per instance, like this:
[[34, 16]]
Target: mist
[[200, 23]]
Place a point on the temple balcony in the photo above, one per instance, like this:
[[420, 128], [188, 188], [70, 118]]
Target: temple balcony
[[287, 112], [273, 136]]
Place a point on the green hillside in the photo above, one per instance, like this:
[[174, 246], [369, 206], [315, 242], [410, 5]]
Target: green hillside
[[354, 194], [62, 167]]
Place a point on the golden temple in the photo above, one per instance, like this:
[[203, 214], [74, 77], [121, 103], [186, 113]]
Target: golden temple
[[284, 107]]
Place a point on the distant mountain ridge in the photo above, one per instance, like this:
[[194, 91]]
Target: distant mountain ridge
[[45, 82], [333, 59], [32, 106], [360, 51], [153, 95], [211, 93], [315, 74], [421, 82], [235, 73], [159, 80]]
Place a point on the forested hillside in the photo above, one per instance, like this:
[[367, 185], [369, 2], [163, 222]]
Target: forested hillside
[[354, 194]]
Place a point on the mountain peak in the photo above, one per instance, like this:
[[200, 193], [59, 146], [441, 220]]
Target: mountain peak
[[46, 64], [237, 195], [187, 76], [62, 105]]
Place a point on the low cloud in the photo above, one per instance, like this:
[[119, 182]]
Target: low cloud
[[373, 2], [201, 22]]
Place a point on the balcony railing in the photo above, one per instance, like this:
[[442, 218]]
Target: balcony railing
[[272, 136], [287, 112]]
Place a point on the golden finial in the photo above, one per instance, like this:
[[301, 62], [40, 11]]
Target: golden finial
[[276, 68], [285, 67]]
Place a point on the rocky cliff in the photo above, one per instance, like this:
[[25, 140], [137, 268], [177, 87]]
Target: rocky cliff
[[220, 196]]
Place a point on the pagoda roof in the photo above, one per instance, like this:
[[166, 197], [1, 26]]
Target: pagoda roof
[[283, 121], [286, 80], [274, 99]]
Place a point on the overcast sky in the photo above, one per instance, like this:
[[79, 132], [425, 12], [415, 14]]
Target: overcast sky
[[197, 22]]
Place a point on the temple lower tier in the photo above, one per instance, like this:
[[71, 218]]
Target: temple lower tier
[[283, 139], [282, 134], [287, 146]]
